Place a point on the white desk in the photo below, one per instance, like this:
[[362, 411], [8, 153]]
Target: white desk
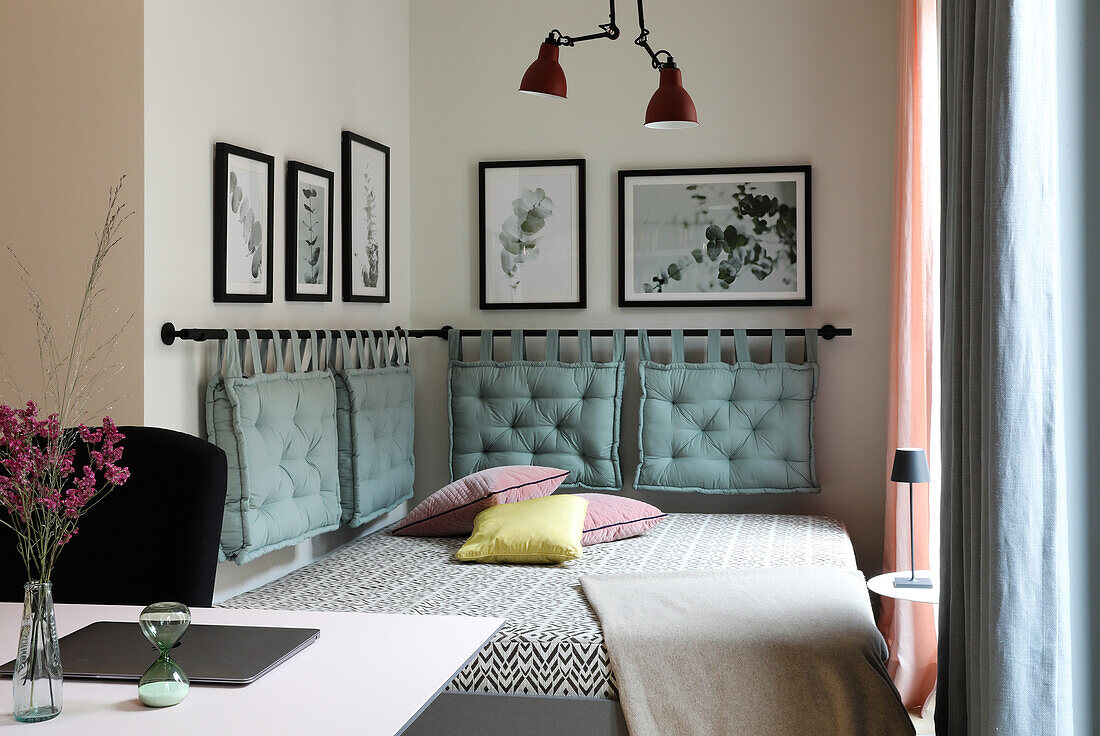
[[884, 585], [368, 674]]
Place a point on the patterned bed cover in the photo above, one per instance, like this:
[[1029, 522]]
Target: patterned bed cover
[[552, 643]]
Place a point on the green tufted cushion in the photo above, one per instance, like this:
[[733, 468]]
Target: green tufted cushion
[[549, 413], [719, 428], [374, 413], [278, 431]]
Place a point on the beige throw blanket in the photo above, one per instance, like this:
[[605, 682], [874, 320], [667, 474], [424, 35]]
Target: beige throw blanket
[[785, 651]]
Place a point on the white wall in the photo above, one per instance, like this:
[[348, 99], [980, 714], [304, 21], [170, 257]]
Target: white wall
[[283, 78], [781, 82]]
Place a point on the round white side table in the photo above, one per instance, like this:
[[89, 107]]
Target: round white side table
[[884, 585]]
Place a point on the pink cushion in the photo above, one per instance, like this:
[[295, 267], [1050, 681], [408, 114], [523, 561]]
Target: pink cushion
[[614, 517], [450, 511]]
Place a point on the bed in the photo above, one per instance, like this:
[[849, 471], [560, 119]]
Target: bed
[[552, 644]]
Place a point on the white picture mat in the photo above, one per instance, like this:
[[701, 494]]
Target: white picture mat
[[555, 275], [692, 239], [367, 160], [321, 207], [252, 177]]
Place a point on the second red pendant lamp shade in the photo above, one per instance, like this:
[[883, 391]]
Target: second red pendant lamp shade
[[670, 107]]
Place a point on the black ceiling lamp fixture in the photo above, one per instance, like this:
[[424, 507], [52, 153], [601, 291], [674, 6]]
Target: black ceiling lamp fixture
[[669, 108]]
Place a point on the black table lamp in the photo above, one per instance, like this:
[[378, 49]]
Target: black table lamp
[[910, 466]]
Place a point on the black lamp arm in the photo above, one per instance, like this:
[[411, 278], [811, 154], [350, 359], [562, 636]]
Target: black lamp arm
[[607, 30], [611, 31], [643, 41]]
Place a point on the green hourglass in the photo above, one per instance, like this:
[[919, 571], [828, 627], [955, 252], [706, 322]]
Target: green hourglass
[[164, 683]]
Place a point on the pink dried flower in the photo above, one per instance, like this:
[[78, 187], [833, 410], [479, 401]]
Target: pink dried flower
[[40, 487]]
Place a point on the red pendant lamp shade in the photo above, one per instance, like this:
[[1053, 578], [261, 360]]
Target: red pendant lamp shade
[[545, 77], [671, 105]]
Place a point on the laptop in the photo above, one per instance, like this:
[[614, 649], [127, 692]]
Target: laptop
[[212, 654]]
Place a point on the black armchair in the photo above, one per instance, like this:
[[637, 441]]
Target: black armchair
[[153, 539]]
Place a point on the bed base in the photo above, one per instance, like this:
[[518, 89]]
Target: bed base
[[478, 714]]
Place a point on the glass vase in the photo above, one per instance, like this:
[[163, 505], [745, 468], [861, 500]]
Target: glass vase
[[37, 677]]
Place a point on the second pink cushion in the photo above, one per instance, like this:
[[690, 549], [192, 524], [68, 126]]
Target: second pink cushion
[[614, 517], [450, 511]]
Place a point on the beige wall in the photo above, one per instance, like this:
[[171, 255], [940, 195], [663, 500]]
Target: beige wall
[[283, 78], [70, 126], [780, 82]]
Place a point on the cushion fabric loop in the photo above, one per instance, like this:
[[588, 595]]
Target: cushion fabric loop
[[254, 348], [233, 362], [403, 344], [297, 346], [643, 345], [377, 358], [454, 344], [387, 349], [811, 346], [219, 365], [677, 346], [618, 345], [316, 350], [714, 346], [359, 349], [265, 344], [779, 346], [518, 345], [741, 346], [342, 346], [277, 350], [486, 345], [553, 346], [584, 346], [393, 351]]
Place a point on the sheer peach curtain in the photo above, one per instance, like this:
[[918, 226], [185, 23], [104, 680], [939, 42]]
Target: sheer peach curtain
[[909, 628]]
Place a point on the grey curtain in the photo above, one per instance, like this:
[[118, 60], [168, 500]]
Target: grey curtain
[[1004, 611]]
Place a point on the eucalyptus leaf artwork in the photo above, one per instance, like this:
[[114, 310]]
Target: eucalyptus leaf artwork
[[252, 230], [764, 245], [519, 234], [367, 262], [309, 235], [715, 237], [532, 234], [243, 194], [365, 194], [309, 232]]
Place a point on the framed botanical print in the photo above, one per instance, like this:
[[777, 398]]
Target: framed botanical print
[[532, 234], [309, 201], [365, 202], [721, 237], [244, 196]]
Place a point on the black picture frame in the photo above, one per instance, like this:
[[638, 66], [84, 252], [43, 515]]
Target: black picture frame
[[350, 143], [222, 290], [294, 171], [581, 302], [800, 173]]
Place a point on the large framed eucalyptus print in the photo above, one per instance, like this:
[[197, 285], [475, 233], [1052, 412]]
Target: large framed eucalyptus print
[[244, 203], [365, 204], [532, 234], [308, 234], [720, 237]]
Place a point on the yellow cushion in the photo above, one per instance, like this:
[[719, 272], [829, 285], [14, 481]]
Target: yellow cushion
[[543, 530]]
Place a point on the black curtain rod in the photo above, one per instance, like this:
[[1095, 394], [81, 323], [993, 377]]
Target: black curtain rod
[[169, 334]]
